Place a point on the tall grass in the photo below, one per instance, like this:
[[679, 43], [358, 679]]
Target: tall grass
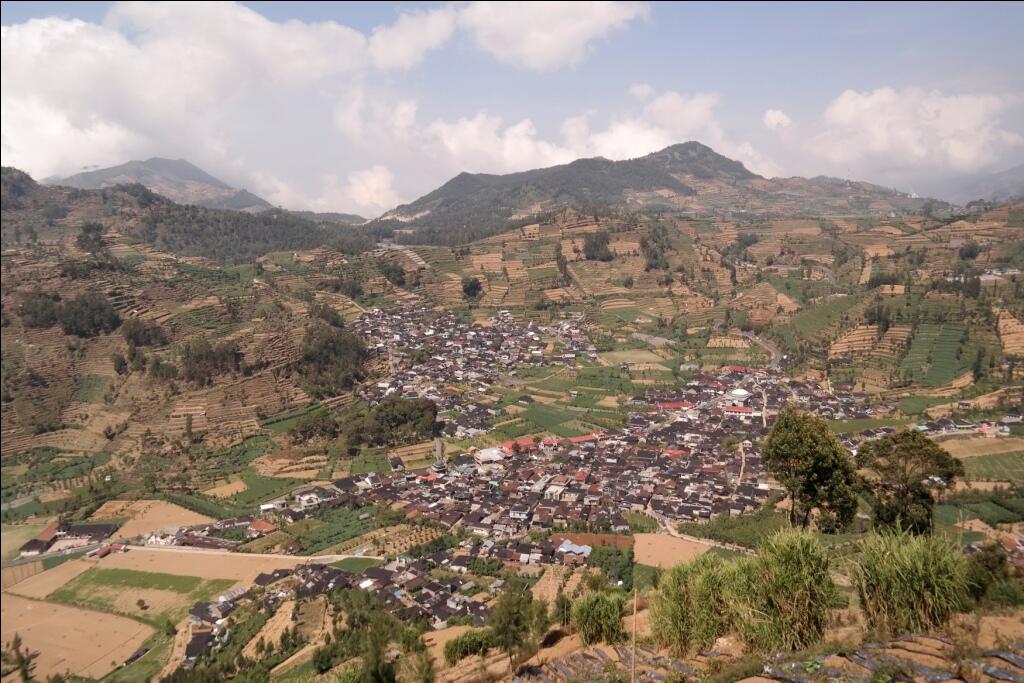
[[689, 610], [785, 593], [910, 583], [778, 600]]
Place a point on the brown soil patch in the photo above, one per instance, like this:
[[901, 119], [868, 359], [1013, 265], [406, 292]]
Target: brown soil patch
[[147, 516], [41, 585], [661, 550], [70, 639], [995, 632], [272, 630]]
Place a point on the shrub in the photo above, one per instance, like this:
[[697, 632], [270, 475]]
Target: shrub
[[597, 617], [910, 583], [475, 642]]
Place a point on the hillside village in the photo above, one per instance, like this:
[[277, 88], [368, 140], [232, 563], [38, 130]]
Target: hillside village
[[588, 395]]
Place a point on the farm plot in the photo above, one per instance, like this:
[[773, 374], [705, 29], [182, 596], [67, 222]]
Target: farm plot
[[147, 516], [238, 567], [41, 585], [975, 446], [147, 596], [630, 357], [69, 639], [338, 526], [390, 541], [659, 550], [996, 467]]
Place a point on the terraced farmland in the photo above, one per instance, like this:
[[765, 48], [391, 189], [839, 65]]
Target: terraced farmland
[[933, 358]]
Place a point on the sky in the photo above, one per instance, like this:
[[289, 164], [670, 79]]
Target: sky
[[361, 107]]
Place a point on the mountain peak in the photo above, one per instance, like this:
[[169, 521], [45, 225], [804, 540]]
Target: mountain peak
[[177, 179]]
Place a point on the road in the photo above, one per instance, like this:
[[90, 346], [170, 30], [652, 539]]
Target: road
[[772, 350]]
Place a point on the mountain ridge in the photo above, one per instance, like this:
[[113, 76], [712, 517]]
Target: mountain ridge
[[688, 176]]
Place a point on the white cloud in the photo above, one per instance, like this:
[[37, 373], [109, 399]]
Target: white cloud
[[403, 44], [545, 35], [774, 119], [368, 192], [484, 143], [371, 190], [888, 130], [641, 91]]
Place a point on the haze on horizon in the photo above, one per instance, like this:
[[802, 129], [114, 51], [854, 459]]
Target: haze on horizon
[[358, 108]]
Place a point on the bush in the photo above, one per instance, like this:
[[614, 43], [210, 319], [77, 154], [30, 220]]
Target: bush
[[689, 610], [597, 617], [475, 642], [910, 583]]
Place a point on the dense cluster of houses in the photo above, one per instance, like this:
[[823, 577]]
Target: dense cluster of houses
[[439, 350]]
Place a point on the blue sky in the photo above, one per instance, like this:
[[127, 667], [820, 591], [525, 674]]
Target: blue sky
[[360, 106]]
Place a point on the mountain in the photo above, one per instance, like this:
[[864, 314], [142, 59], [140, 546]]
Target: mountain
[[31, 212], [176, 179], [1004, 186], [688, 177]]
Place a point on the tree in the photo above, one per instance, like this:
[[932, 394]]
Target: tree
[[471, 287], [595, 247], [803, 453], [88, 315], [39, 309], [510, 620], [905, 470], [17, 659], [597, 617], [90, 238], [332, 359]]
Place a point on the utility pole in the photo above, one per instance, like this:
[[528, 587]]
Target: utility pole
[[632, 663]]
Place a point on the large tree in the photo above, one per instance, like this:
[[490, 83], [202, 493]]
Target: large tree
[[803, 453], [512, 619], [905, 470]]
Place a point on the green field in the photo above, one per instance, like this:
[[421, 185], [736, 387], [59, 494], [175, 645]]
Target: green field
[[105, 590], [91, 388], [338, 526], [356, 565], [640, 523], [998, 467], [369, 461], [811, 321]]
